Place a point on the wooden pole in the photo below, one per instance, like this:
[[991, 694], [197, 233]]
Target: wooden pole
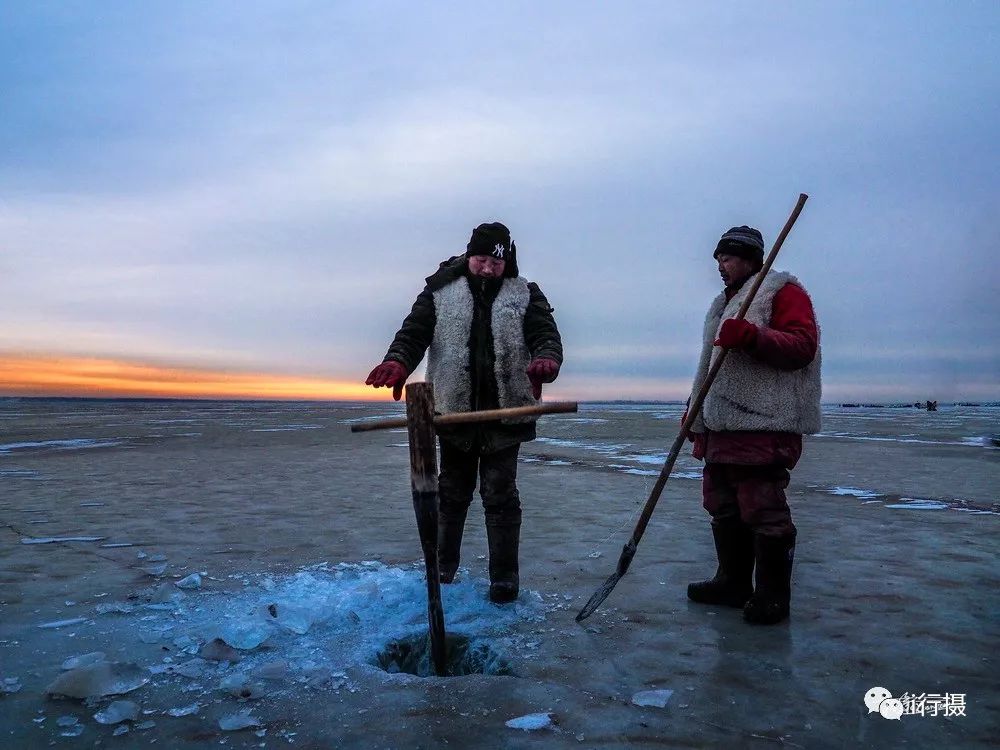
[[424, 483], [464, 417]]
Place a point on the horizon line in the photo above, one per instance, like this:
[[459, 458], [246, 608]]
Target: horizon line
[[72, 376], [207, 399]]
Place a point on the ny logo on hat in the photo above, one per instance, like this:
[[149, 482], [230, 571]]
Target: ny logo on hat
[[498, 250]]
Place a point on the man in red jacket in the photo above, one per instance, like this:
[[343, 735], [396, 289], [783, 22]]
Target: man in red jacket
[[749, 432]]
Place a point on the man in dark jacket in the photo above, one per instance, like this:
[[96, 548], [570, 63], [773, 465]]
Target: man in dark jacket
[[749, 432], [493, 342]]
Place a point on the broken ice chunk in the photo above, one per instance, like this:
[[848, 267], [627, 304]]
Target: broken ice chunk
[[83, 660], [184, 710], [150, 636], [319, 677], [241, 686], [186, 643], [218, 650], [10, 685], [241, 720], [120, 730], [653, 698], [156, 569], [119, 608], [245, 634], [165, 593], [291, 617], [62, 623], [531, 722], [118, 712], [71, 726], [272, 670], [190, 582], [192, 668], [57, 539], [98, 679], [145, 725]]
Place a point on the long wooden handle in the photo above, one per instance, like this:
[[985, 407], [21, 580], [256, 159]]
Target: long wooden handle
[[424, 482], [464, 417], [695, 408]]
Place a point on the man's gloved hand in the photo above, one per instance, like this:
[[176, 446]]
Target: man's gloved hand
[[541, 370], [390, 374], [737, 334]]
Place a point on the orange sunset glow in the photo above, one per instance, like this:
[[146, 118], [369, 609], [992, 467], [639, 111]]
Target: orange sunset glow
[[109, 378]]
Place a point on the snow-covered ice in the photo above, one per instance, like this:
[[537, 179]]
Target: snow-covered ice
[[268, 506]]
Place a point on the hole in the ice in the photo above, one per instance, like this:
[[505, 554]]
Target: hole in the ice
[[412, 655]]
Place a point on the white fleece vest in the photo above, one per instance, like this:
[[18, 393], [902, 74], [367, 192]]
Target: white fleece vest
[[448, 366], [748, 394]]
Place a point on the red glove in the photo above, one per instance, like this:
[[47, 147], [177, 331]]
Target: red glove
[[737, 334], [390, 374], [541, 370]]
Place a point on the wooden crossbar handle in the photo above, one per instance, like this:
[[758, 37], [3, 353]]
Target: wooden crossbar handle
[[465, 417]]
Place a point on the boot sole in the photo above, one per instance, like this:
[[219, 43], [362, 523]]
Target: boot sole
[[737, 602], [502, 593]]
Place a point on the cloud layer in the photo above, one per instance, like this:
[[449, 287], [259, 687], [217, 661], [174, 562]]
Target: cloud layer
[[265, 187]]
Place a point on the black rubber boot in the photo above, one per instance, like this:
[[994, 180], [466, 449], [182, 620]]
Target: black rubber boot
[[450, 530], [770, 601], [503, 542], [733, 582]]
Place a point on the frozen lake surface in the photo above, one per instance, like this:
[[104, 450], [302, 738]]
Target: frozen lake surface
[[245, 574]]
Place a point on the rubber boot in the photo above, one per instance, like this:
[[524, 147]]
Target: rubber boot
[[450, 530], [503, 542], [733, 582], [770, 601]]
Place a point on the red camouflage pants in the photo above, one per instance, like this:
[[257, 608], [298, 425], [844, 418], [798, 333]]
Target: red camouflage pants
[[753, 494]]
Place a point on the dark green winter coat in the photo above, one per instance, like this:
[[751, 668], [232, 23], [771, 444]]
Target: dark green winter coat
[[541, 336]]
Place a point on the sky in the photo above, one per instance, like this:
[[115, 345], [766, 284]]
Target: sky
[[243, 199]]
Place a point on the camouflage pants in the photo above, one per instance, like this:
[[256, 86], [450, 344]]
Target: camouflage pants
[[754, 495]]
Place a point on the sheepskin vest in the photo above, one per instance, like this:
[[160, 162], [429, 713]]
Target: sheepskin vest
[[748, 394], [448, 365]]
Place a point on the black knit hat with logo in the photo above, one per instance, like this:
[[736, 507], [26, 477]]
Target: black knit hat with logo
[[743, 242], [494, 240]]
